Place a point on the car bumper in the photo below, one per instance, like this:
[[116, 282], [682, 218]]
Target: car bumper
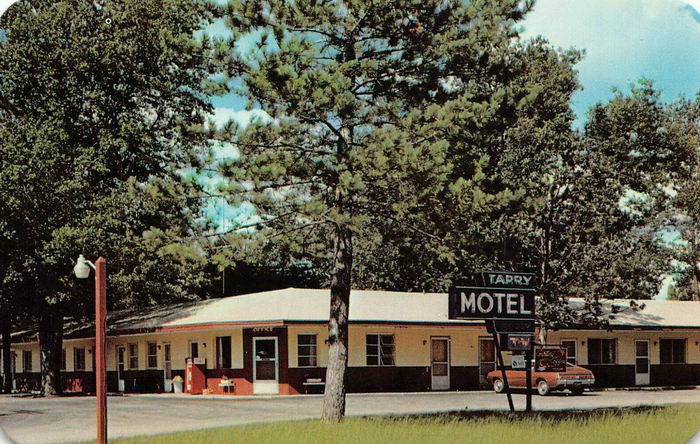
[[568, 383]]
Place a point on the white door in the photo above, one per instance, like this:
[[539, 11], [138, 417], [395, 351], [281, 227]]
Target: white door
[[121, 353], [265, 366], [440, 363], [641, 349], [14, 370], [167, 368]]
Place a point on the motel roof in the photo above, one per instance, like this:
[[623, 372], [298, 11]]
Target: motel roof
[[303, 305], [297, 305]]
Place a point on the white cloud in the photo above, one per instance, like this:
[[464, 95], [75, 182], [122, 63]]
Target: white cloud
[[695, 4], [242, 117], [4, 4]]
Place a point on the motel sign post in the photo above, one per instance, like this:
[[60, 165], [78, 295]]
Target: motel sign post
[[506, 300]]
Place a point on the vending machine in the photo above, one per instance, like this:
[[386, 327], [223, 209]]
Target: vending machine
[[195, 375]]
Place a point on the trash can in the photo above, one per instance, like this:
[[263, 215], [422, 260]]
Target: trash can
[[177, 384]]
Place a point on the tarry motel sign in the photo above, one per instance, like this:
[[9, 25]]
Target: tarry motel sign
[[494, 295], [506, 300]]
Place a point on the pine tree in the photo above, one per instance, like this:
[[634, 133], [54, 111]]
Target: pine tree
[[377, 110]]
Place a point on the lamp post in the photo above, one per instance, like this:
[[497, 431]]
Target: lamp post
[[82, 271]]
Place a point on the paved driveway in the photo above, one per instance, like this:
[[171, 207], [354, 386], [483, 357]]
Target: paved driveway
[[36, 420]]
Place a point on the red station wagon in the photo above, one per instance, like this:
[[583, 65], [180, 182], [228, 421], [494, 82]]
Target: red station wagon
[[575, 379]]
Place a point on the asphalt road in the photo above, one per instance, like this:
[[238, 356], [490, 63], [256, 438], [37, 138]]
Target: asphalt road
[[57, 420]]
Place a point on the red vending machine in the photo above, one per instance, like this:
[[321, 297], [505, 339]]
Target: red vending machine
[[195, 375]]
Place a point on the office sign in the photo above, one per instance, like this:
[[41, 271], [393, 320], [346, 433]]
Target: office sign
[[550, 360]]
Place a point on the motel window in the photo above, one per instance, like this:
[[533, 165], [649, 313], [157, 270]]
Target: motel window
[[133, 356], [26, 361], [380, 350], [223, 352], [602, 351], [152, 355], [570, 346], [63, 359], [672, 351], [78, 359], [194, 349], [306, 350]]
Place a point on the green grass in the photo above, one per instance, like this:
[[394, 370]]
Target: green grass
[[667, 425]]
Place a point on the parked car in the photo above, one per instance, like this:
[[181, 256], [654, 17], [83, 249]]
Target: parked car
[[575, 379]]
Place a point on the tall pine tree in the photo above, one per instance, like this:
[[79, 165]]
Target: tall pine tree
[[378, 110]]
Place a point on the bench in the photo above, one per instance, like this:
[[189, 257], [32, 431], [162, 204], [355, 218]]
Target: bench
[[310, 382]]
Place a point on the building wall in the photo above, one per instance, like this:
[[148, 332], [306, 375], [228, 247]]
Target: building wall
[[179, 342], [26, 381], [411, 371], [321, 332], [622, 373]]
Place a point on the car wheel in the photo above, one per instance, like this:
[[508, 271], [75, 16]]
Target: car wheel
[[543, 387], [577, 391], [498, 386]]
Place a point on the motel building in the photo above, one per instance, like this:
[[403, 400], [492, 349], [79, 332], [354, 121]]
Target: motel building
[[274, 343]]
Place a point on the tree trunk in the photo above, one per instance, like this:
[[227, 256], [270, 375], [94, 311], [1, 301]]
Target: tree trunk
[[6, 357], [334, 398], [51, 344], [695, 262], [696, 282]]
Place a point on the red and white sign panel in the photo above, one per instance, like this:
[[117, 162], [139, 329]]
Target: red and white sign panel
[[550, 360]]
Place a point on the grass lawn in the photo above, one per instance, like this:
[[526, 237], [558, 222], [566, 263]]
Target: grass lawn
[[667, 425]]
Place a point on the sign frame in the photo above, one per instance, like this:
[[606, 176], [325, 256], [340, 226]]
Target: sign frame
[[508, 295], [506, 326]]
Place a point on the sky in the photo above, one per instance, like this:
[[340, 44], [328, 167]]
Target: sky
[[624, 40]]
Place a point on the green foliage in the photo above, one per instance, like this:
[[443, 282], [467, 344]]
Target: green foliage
[[585, 212], [384, 114], [685, 211], [97, 120], [446, 148]]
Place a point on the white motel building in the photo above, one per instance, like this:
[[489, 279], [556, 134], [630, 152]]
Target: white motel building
[[274, 342]]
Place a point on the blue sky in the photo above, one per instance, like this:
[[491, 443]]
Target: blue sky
[[624, 40]]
